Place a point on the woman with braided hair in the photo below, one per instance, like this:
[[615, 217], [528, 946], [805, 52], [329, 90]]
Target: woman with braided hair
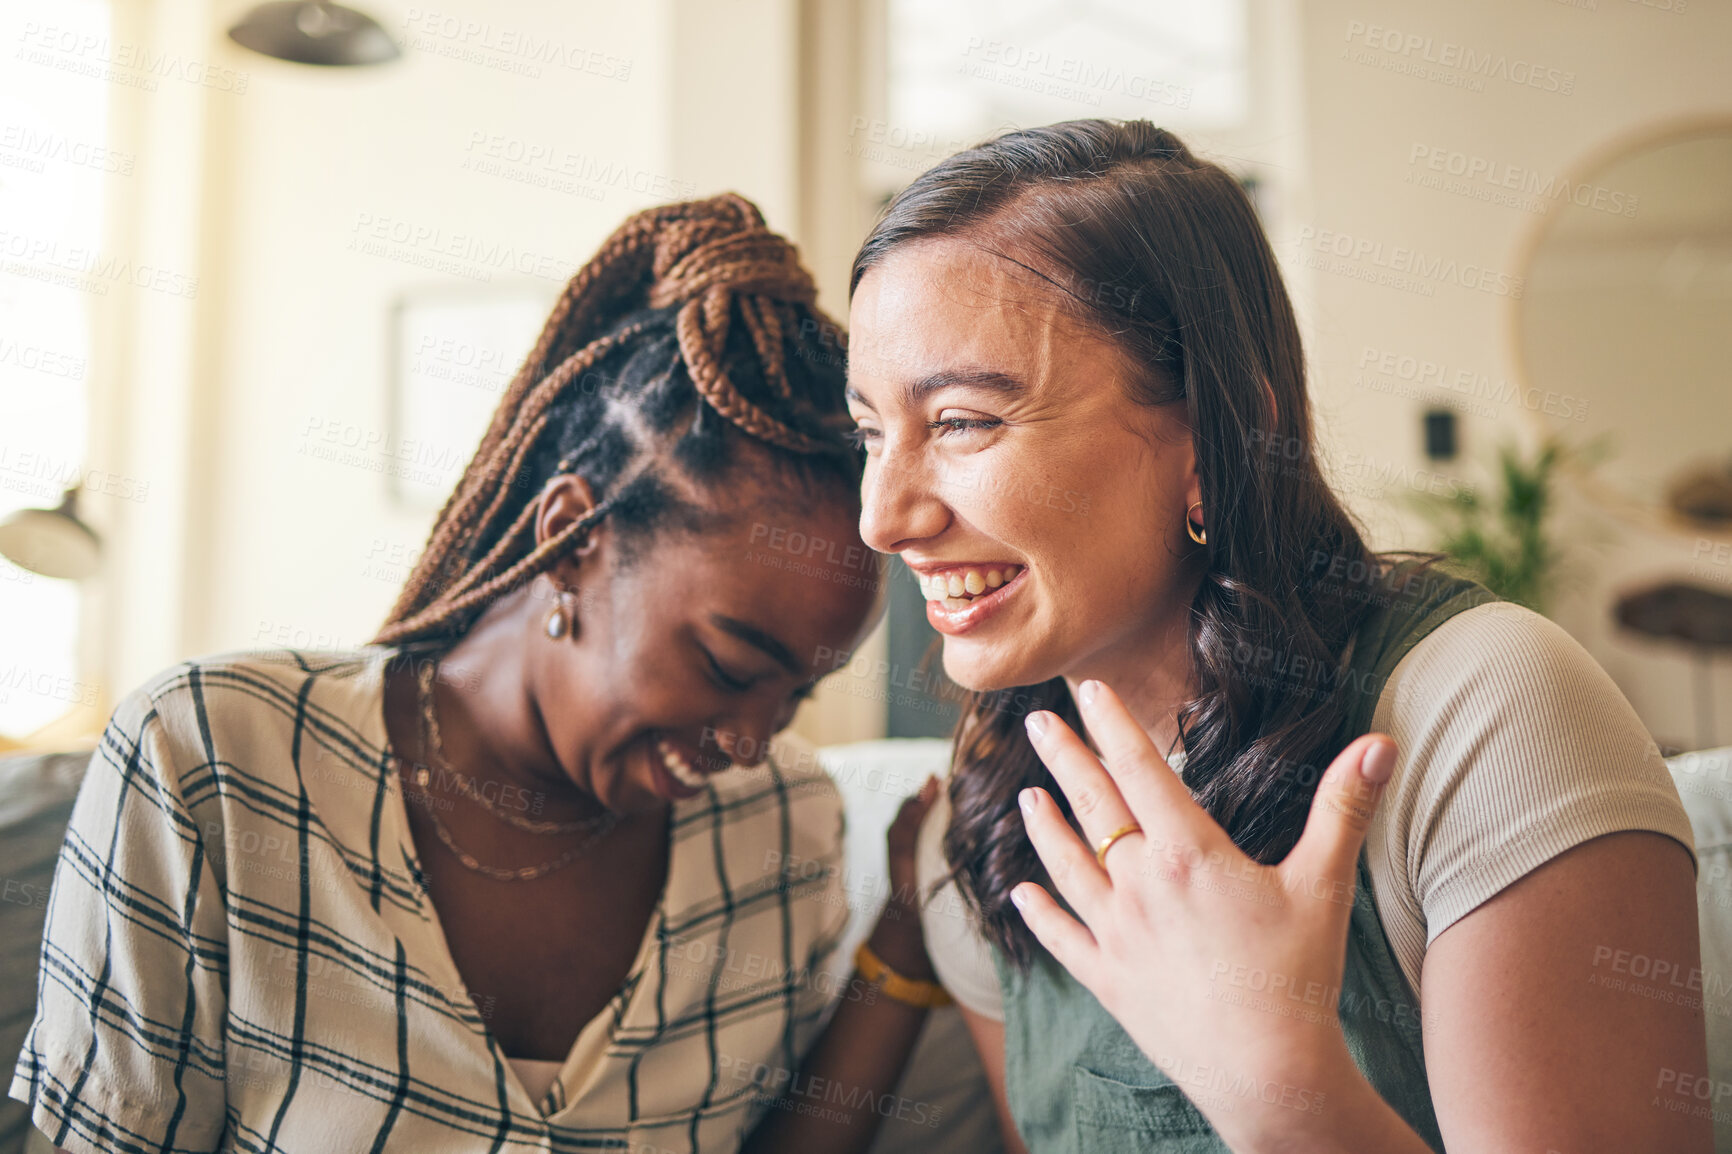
[[522, 875]]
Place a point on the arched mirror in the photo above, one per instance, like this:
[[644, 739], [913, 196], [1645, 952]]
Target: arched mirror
[[1624, 328]]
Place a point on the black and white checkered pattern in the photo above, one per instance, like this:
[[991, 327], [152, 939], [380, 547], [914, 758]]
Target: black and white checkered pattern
[[239, 956]]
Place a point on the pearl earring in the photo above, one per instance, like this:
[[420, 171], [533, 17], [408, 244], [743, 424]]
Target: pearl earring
[[560, 619]]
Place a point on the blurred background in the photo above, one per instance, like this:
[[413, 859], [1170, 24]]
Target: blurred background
[[254, 313]]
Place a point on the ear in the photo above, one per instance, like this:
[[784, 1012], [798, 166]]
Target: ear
[[567, 499], [1193, 484]]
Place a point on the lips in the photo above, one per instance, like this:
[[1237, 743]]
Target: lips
[[965, 582], [673, 770], [954, 616], [678, 765]]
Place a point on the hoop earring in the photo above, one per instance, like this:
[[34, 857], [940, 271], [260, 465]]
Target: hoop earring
[[1200, 536]]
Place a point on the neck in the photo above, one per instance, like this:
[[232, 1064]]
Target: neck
[[490, 727], [1150, 672]]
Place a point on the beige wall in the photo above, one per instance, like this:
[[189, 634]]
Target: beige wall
[[1628, 65], [307, 205], [328, 192], [247, 539]]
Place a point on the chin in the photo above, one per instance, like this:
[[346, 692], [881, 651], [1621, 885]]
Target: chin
[[984, 670], [628, 797]]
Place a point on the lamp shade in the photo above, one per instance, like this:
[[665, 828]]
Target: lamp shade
[[314, 32], [52, 542]]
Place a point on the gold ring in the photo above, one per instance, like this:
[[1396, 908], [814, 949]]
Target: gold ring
[[1112, 838]]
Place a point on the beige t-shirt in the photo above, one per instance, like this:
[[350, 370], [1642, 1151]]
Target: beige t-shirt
[[1514, 746]]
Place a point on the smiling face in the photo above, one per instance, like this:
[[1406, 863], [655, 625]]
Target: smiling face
[[696, 649], [1004, 439]]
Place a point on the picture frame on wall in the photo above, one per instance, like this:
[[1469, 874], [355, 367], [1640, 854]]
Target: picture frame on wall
[[454, 351]]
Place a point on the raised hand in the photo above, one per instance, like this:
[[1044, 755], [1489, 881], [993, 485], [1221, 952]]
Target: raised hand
[[1207, 958]]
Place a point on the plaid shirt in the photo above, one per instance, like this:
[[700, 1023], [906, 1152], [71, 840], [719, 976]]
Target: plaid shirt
[[239, 954]]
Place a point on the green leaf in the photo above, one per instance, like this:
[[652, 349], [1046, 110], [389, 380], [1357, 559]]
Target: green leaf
[[1501, 540]]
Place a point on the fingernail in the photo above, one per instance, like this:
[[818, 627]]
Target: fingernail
[[1087, 691], [1026, 800], [1378, 763], [1016, 898], [1036, 723]]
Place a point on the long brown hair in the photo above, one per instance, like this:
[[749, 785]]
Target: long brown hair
[[691, 332], [1163, 253]]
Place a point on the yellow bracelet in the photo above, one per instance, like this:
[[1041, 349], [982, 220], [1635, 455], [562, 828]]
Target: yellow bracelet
[[908, 991]]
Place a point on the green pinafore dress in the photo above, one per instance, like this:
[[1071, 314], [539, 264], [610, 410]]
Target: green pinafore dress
[[1076, 1082]]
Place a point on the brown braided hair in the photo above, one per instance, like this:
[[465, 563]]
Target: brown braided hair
[[694, 330]]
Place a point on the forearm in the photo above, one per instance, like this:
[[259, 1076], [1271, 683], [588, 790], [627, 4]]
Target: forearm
[[1343, 1114], [834, 1104]]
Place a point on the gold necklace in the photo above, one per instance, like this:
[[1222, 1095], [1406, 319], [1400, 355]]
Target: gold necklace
[[420, 776], [435, 743], [519, 874]]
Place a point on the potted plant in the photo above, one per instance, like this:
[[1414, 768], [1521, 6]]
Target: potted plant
[[1501, 537]]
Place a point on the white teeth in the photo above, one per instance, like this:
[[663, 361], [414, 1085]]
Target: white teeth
[[961, 584], [677, 765]]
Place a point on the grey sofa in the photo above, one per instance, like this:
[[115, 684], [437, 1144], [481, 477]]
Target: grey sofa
[[36, 795]]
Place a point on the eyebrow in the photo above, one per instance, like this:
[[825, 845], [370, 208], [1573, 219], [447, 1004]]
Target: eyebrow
[[913, 392], [758, 639]]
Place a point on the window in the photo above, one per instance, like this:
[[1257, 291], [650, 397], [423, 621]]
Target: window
[[959, 72], [54, 162]]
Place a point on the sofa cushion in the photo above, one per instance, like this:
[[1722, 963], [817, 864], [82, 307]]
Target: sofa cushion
[[1704, 781], [36, 795], [945, 1100]]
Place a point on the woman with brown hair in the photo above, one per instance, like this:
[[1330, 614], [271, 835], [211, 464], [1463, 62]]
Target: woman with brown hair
[[1352, 845], [520, 875]]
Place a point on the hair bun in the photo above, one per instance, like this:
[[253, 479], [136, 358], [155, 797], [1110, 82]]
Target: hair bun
[[726, 247]]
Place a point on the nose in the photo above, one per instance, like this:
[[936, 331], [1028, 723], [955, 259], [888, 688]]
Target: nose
[[899, 504], [744, 737]]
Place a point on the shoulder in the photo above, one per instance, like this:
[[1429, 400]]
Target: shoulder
[[789, 794], [774, 834], [930, 863], [791, 772], [795, 760], [959, 950], [1513, 747], [256, 679], [1510, 675], [210, 708], [1499, 636]]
